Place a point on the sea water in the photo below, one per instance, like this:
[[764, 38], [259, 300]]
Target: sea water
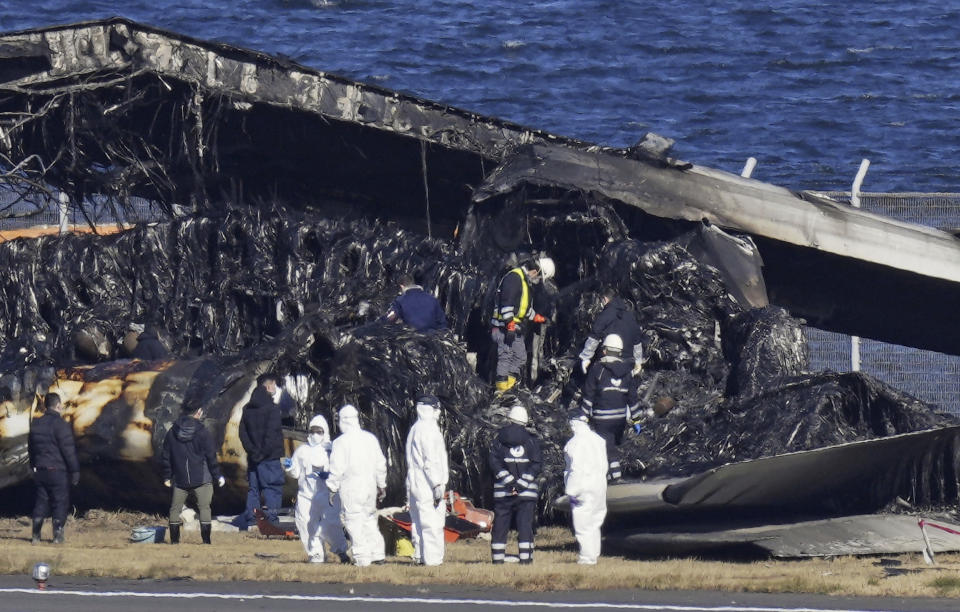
[[809, 88]]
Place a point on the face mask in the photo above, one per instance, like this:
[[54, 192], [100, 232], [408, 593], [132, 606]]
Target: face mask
[[314, 439]]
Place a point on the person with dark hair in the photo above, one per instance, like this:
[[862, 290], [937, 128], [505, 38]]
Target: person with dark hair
[[417, 308], [515, 461], [512, 309], [189, 460], [281, 397], [53, 460], [149, 346], [615, 318], [261, 434]]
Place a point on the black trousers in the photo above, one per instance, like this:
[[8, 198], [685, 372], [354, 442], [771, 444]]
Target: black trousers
[[611, 430], [506, 510], [53, 494]]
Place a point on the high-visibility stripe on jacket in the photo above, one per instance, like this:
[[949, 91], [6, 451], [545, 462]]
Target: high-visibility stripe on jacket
[[513, 299]]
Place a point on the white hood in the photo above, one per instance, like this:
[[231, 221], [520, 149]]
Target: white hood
[[426, 412], [318, 439], [349, 418]]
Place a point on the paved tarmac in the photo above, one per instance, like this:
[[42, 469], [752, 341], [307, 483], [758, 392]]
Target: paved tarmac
[[70, 594]]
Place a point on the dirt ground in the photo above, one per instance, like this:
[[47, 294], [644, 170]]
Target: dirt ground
[[98, 545]]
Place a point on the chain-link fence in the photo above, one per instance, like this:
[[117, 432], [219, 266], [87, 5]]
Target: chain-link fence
[[929, 376], [16, 213]]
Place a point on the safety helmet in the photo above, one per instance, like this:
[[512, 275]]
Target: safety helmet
[[518, 414], [41, 572], [547, 268], [613, 342]]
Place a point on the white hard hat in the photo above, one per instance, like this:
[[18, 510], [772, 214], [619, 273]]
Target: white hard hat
[[547, 267], [518, 414], [613, 342]]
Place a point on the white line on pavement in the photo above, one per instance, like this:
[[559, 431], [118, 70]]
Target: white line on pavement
[[424, 600]]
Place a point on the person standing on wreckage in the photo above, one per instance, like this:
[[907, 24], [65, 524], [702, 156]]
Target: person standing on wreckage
[[512, 309], [317, 513], [427, 476], [515, 462], [585, 484], [615, 318], [610, 399], [358, 473]]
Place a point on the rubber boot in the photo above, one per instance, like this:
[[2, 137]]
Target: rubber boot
[[174, 533], [37, 526], [57, 532], [205, 532], [505, 384]]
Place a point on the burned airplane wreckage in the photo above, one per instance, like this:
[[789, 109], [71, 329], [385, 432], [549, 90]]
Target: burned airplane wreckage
[[290, 201]]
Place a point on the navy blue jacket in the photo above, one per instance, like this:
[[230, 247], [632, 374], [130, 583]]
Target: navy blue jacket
[[51, 445], [261, 432], [149, 346], [610, 391], [515, 460], [616, 318], [189, 456], [419, 310], [509, 300]]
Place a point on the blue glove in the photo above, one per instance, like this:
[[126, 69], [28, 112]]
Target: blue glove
[[637, 428], [321, 474], [286, 462]]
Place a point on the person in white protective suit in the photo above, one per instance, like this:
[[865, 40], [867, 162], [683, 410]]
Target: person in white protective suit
[[427, 475], [318, 520], [585, 482], [358, 475]]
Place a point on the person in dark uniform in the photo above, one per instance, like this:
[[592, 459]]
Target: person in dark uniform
[[416, 308], [512, 309], [515, 462], [610, 399], [615, 318], [261, 434], [189, 459], [53, 459], [149, 346]]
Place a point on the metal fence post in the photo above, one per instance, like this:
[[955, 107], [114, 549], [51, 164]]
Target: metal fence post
[[855, 202], [64, 200]]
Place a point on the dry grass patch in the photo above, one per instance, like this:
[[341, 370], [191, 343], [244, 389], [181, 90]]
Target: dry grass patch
[[97, 545]]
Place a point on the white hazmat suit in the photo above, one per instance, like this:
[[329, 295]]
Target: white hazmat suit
[[317, 521], [358, 470], [427, 475], [585, 482]]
